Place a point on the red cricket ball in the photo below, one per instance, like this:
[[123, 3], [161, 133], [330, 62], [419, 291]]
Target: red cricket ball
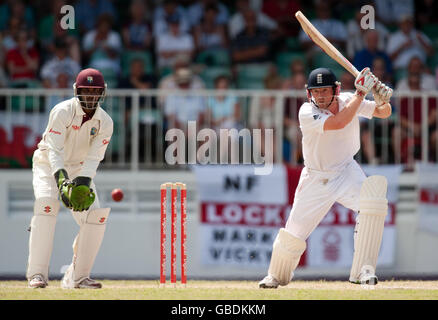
[[117, 195]]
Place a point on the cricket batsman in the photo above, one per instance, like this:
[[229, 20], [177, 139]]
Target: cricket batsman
[[64, 165], [329, 122]]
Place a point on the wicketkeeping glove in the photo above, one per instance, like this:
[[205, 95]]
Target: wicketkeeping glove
[[81, 195], [382, 94], [64, 186], [364, 82]]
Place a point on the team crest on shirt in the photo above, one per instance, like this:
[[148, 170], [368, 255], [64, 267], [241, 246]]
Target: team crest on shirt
[[316, 116], [93, 131]]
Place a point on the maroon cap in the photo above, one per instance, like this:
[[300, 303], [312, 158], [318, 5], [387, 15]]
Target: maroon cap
[[90, 78]]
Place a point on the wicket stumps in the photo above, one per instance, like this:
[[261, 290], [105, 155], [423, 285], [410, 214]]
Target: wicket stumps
[[183, 195]]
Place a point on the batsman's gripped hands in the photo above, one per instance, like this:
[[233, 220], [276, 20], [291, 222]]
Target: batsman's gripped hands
[[364, 82], [382, 94]]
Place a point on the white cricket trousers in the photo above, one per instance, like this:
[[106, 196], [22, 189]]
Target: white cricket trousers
[[317, 191], [44, 184]]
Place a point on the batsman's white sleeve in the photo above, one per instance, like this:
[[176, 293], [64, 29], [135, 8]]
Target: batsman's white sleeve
[[366, 108], [97, 149]]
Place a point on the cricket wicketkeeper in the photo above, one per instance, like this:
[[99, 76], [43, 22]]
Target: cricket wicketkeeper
[[329, 122], [64, 165]]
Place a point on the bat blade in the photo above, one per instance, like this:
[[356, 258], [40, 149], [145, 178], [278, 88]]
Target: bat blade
[[324, 44]]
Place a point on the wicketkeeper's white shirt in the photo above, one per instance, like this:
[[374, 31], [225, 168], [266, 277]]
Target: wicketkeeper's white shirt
[[67, 142], [331, 150]]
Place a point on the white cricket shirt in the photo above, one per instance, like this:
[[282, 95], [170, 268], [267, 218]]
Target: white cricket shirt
[[331, 150], [68, 142]]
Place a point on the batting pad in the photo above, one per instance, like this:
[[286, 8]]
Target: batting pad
[[87, 242], [286, 254], [373, 208], [42, 231]]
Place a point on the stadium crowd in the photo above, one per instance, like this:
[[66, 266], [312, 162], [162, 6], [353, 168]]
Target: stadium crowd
[[242, 44]]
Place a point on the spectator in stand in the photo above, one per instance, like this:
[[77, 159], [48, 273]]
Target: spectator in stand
[[223, 112], [280, 11], [168, 9], [365, 57], [50, 29], [196, 11], [406, 138], [262, 114], [379, 69], [382, 129], [4, 81], [179, 109], [61, 81], [22, 62], [87, 13], [297, 66], [169, 82], [174, 44], [292, 148], [407, 43], [61, 63], [356, 35], [236, 23], [389, 11], [10, 35], [334, 30], [16, 9], [416, 67], [102, 46], [426, 12], [136, 33], [138, 79], [208, 34], [252, 44]]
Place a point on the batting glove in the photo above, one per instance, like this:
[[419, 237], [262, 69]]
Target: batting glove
[[364, 82], [382, 94]]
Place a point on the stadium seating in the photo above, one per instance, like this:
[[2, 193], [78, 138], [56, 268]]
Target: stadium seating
[[284, 59], [322, 60], [128, 56], [251, 76], [217, 57], [209, 74], [111, 77]]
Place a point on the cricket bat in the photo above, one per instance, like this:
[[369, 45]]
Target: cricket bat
[[324, 44]]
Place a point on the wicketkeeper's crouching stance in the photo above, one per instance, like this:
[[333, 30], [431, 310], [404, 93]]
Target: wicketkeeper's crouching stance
[[330, 126], [72, 146]]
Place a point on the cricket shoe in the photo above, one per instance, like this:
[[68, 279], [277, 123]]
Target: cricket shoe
[[367, 276], [86, 283], [37, 281], [269, 282]]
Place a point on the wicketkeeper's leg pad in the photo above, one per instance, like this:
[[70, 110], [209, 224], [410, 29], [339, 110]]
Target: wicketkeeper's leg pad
[[87, 243], [42, 231], [373, 209], [286, 253]]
